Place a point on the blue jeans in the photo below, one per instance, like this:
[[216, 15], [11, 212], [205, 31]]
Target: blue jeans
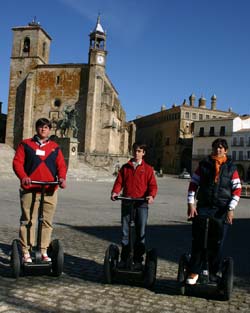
[[216, 256], [140, 221]]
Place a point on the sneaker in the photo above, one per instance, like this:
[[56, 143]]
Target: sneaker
[[192, 279], [27, 258], [45, 257]]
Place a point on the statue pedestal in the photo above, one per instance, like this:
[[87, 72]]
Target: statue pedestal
[[69, 147]]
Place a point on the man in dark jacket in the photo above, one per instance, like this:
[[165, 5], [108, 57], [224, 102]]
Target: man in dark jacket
[[135, 179], [216, 186]]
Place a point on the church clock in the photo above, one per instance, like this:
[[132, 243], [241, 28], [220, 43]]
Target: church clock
[[100, 59]]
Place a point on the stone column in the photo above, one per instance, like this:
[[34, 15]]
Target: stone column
[[69, 147]]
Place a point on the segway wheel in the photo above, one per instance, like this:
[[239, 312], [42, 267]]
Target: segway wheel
[[110, 262], [56, 254], [16, 256], [182, 274], [227, 278], [150, 269]]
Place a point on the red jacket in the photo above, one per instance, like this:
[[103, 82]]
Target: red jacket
[[43, 162], [136, 183]]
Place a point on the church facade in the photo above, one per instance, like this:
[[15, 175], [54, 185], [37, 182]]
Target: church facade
[[39, 89]]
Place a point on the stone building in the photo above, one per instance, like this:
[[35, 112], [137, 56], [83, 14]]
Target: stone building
[[169, 133], [39, 89], [236, 130]]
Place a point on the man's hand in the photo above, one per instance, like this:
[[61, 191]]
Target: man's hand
[[62, 183], [26, 181], [229, 217], [191, 211], [113, 195], [150, 199]]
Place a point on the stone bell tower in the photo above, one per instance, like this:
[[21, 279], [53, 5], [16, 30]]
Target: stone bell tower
[[30, 47], [97, 68]]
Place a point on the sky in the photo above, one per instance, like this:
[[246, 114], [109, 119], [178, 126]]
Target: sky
[[159, 51]]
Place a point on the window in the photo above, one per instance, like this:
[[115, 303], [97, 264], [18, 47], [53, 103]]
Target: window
[[234, 155], [222, 131], [234, 141], [187, 115], [248, 141], [57, 102], [194, 116], [26, 45], [240, 155], [44, 49], [57, 80], [207, 117], [200, 116], [241, 141], [211, 132], [201, 133], [248, 155]]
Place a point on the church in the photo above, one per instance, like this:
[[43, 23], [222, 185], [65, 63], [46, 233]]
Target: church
[[81, 95]]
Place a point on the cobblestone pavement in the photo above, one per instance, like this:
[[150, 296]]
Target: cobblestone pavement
[[86, 222]]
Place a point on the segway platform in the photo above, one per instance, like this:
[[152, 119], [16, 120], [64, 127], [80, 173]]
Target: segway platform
[[223, 283], [112, 269], [55, 249]]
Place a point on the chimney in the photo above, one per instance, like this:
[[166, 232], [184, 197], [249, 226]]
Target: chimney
[[213, 102], [192, 100], [202, 102]]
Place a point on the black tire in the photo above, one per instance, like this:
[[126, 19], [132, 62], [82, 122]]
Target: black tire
[[182, 274], [150, 269], [56, 253], [110, 262], [16, 258], [227, 278]]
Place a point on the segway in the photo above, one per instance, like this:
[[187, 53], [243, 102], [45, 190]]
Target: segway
[[223, 282], [146, 273], [55, 249]]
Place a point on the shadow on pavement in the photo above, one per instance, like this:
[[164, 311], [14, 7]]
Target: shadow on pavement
[[83, 268], [73, 266], [171, 241], [4, 261]]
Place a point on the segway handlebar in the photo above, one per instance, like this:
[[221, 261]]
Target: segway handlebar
[[130, 199], [38, 182]]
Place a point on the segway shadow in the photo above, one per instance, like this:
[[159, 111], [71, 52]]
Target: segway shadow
[[146, 273], [55, 249], [223, 282]]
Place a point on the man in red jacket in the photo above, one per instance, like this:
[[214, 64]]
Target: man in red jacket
[[135, 179], [40, 159]]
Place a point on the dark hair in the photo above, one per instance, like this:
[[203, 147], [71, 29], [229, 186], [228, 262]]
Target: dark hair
[[43, 121], [220, 142], [139, 145]]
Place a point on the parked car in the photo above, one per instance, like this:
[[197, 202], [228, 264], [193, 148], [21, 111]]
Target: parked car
[[185, 175]]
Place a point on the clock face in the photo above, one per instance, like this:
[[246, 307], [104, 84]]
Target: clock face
[[100, 59]]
